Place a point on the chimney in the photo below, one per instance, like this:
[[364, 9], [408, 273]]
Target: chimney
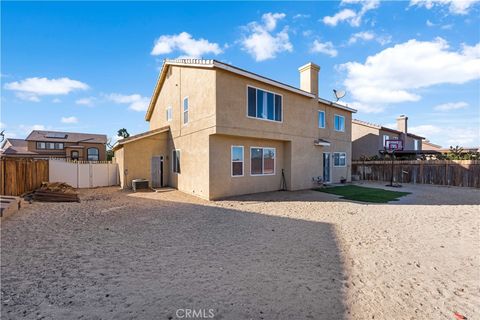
[[402, 123], [309, 78]]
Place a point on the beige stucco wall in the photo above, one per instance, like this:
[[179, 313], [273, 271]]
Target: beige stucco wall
[[222, 184], [192, 138], [298, 129], [364, 141], [199, 86], [134, 159], [194, 163], [218, 119]]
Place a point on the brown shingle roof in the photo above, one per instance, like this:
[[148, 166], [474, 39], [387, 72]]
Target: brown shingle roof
[[377, 126], [15, 147], [40, 135]]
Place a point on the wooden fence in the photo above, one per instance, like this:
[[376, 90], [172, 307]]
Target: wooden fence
[[460, 173], [18, 176]]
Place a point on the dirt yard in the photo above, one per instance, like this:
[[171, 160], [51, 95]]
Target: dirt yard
[[280, 255]]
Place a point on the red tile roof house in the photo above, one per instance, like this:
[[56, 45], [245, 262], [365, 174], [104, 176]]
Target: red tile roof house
[[53, 144]]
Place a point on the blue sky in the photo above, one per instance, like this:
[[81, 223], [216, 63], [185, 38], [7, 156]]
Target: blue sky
[[91, 67]]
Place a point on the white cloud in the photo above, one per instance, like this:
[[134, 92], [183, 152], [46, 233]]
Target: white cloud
[[448, 135], [345, 14], [365, 36], [460, 7], [301, 16], [367, 107], [188, 46], [466, 137], [27, 96], [56, 100], [425, 130], [383, 40], [26, 129], [387, 77], [135, 101], [261, 43], [69, 120], [429, 23], [86, 101], [368, 36], [325, 47], [31, 88], [307, 33], [348, 15], [447, 27], [451, 106]]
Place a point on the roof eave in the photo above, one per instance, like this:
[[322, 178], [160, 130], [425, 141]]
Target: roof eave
[[336, 105], [226, 67]]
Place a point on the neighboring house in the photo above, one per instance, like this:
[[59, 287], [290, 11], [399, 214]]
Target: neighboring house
[[217, 131], [53, 144], [428, 145], [370, 139]]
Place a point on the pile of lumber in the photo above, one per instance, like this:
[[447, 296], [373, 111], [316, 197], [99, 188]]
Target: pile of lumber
[[55, 192]]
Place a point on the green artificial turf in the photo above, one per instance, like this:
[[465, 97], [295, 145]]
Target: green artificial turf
[[364, 194]]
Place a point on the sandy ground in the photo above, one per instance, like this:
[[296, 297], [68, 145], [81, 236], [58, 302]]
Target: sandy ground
[[279, 255]]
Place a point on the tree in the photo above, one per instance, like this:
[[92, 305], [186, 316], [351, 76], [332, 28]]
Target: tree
[[123, 133], [455, 153]]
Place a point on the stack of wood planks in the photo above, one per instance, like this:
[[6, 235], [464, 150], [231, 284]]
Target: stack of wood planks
[[55, 192]]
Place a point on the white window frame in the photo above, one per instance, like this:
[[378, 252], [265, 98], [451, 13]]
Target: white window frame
[[263, 162], [169, 113], [324, 119], [416, 144], [343, 129], [231, 161], [339, 166], [98, 153], [385, 138], [173, 162], [274, 93], [187, 111]]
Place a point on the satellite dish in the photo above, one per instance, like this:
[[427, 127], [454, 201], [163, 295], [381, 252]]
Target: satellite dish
[[339, 94]]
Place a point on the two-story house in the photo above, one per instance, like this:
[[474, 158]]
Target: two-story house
[[217, 130], [41, 144], [369, 139]]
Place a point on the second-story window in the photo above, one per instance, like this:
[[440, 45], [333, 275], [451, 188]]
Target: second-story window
[[169, 113], [321, 119], [264, 105], [93, 154], [185, 110], [385, 138], [41, 145], [339, 123]]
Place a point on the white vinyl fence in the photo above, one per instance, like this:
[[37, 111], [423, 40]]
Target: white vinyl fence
[[81, 174]]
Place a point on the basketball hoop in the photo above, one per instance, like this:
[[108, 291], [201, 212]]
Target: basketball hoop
[[393, 145]]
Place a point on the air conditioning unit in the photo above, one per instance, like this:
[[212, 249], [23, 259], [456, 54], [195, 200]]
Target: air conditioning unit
[[138, 184]]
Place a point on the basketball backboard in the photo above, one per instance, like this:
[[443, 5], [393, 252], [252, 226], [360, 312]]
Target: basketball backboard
[[394, 145]]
